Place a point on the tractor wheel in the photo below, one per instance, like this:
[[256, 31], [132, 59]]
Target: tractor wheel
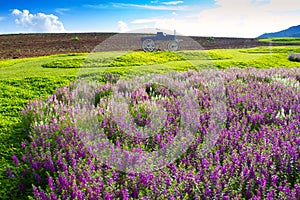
[[173, 46], [148, 45]]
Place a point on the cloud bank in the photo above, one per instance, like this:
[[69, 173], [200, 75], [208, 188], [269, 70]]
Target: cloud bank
[[39, 22], [166, 7], [172, 2], [122, 26], [243, 18]]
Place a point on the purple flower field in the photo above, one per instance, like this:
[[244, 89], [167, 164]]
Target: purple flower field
[[85, 144]]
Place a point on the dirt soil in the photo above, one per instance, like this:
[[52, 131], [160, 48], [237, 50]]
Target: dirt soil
[[29, 45]]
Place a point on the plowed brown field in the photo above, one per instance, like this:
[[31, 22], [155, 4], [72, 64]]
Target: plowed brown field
[[29, 45]]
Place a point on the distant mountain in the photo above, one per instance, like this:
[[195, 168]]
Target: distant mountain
[[293, 31]]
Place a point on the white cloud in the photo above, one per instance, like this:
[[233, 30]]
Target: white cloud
[[260, 2], [172, 6], [231, 18], [16, 12], [123, 27], [62, 10], [260, 5], [39, 22], [97, 6], [282, 6], [247, 19], [149, 7], [172, 2], [145, 21]]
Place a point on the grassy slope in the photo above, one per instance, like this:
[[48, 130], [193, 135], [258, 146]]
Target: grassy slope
[[288, 40], [262, 57], [25, 79]]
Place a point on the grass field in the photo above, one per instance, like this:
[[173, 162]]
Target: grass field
[[288, 40], [26, 79], [72, 64]]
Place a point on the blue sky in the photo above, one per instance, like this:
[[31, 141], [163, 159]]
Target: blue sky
[[230, 18]]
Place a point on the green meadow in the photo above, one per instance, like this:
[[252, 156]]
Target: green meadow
[[26, 79], [287, 40]]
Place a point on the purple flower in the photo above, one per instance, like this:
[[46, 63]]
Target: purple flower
[[108, 196], [10, 174], [53, 196], [135, 193], [23, 145], [16, 160], [50, 182], [36, 191], [21, 187], [297, 194], [254, 156]]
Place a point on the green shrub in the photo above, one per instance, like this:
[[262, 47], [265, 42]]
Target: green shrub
[[294, 57], [219, 55], [71, 63], [75, 38], [145, 58], [78, 63], [211, 38]]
